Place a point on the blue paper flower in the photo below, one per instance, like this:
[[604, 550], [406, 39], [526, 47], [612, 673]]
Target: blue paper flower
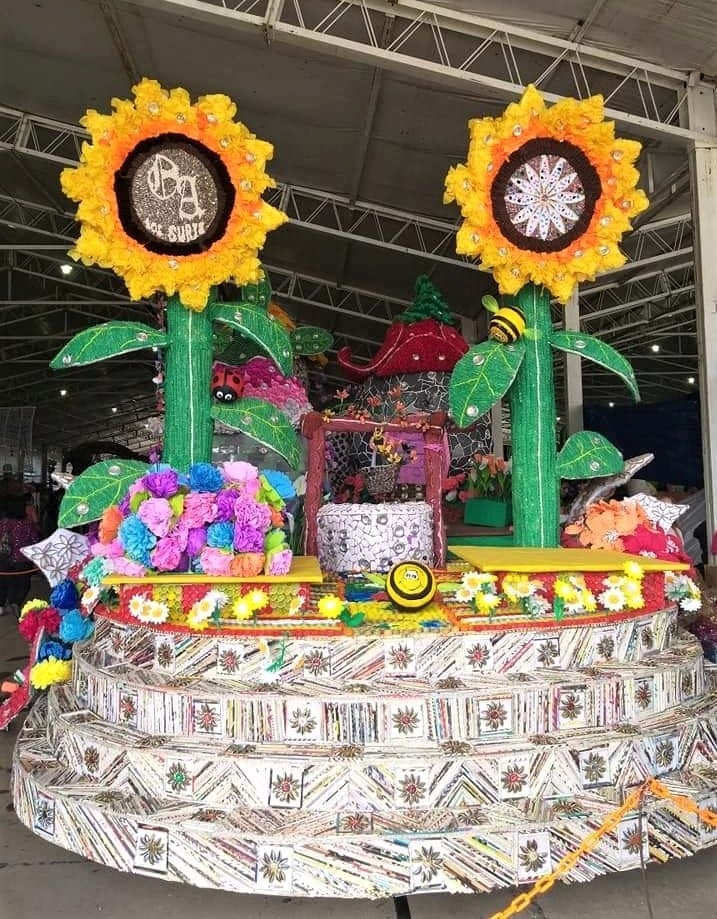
[[204, 477], [64, 595], [74, 626], [220, 535], [281, 483], [54, 649], [94, 571], [137, 540]]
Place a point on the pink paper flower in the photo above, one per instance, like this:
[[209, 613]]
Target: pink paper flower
[[199, 509], [155, 514], [127, 567], [240, 472], [167, 554], [280, 562], [112, 549], [214, 561], [247, 513]]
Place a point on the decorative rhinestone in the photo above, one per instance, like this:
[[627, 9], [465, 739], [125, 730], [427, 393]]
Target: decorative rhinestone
[[612, 182], [617, 155], [472, 411], [246, 421], [274, 419], [256, 215], [478, 359], [141, 336], [416, 357], [578, 253], [475, 237], [502, 252], [517, 131], [238, 316], [211, 118], [510, 347], [315, 336], [488, 139], [441, 357], [250, 158], [104, 210], [114, 470], [173, 263], [580, 343], [286, 353], [626, 204], [466, 185], [224, 142], [605, 221], [560, 276], [67, 359], [153, 108], [82, 509], [246, 185], [489, 167], [515, 272], [181, 118], [603, 250], [594, 466]]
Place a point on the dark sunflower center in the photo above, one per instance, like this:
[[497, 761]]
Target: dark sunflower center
[[174, 195], [544, 195]]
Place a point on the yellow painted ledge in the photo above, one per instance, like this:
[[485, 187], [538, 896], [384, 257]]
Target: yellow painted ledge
[[516, 559], [304, 569]]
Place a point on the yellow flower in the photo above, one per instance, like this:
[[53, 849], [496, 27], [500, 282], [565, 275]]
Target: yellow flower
[[197, 621], [330, 606], [566, 591], [634, 570], [588, 601], [614, 580], [230, 252], [527, 154], [49, 671], [31, 605], [258, 599], [486, 603], [242, 609], [295, 605]]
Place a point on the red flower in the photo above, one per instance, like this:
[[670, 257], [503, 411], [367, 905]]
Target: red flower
[[654, 543], [29, 625], [50, 619]]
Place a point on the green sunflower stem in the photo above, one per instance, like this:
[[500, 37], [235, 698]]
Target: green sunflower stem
[[188, 425], [536, 497]]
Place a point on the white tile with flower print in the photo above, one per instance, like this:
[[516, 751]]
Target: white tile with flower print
[[302, 720], [643, 697], [532, 855], [400, 657], [664, 752], [603, 646], [546, 651], [316, 662], [594, 766], [274, 869], [632, 842], [230, 656], [427, 861], [164, 653], [496, 716], [117, 641], [44, 815], [406, 720], [151, 850], [477, 655], [207, 716], [179, 775], [513, 777], [286, 787], [411, 787], [127, 707], [91, 759], [571, 708]]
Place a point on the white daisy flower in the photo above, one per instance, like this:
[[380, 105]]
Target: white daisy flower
[[464, 595], [613, 599], [136, 605], [90, 597]]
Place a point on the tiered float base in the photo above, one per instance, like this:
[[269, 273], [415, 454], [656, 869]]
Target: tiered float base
[[374, 764]]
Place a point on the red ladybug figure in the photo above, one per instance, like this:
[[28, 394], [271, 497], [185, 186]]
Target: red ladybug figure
[[227, 383]]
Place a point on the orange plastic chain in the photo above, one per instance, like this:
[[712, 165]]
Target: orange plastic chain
[[568, 861]]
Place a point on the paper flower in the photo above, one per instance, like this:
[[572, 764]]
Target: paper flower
[[204, 477], [330, 606], [225, 220], [74, 626], [64, 595], [50, 671], [547, 194], [163, 483]]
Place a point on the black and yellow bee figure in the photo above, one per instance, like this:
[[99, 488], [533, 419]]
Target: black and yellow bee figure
[[507, 323], [411, 585]]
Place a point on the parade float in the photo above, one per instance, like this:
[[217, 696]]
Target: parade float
[[236, 717]]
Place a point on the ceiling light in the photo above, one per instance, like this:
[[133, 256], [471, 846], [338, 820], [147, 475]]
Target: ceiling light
[[63, 392], [691, 380], [558, 418], [114, 409], [611, 404], [66, 269], [654, 348]]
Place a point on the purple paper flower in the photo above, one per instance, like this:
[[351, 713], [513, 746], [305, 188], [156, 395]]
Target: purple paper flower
[[155, 514], [280, 562], [196, 540], [214, 561], [248, 539], [226, 499], [162, 484], [248, 513], [127, 567], [203, 477], [167, 554], [124, 505], [199, 509]]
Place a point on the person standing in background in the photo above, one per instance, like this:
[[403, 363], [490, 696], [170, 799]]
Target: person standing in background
[[18, 528]]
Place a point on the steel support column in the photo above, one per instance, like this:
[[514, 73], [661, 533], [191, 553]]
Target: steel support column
[[573, 370], [703, 172]]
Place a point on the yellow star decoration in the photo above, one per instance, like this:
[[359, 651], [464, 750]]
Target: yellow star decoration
[[210, 122], [568, 250]]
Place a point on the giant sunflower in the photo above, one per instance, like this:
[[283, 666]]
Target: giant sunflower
[[547, 193], [170, 192]]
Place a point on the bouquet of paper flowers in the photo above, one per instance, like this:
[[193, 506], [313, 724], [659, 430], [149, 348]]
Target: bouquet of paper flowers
[[488, 477], [214, 521]]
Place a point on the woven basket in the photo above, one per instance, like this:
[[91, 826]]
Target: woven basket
[[380, 480]]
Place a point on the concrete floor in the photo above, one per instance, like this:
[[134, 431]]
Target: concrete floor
[[39, 880]]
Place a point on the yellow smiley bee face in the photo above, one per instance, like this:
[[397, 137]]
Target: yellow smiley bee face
[[410, 585]]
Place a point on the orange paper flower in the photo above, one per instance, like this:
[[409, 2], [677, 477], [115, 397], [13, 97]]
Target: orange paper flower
[[605, 522], [110, 523]]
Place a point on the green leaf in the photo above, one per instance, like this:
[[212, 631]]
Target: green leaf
[[262, 422], [353, 622], [107, 340], [599, 353], [587, 455], [490, 303], [254, 323], [309, 340], [481, 377], [98, 488], [257, 294]]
